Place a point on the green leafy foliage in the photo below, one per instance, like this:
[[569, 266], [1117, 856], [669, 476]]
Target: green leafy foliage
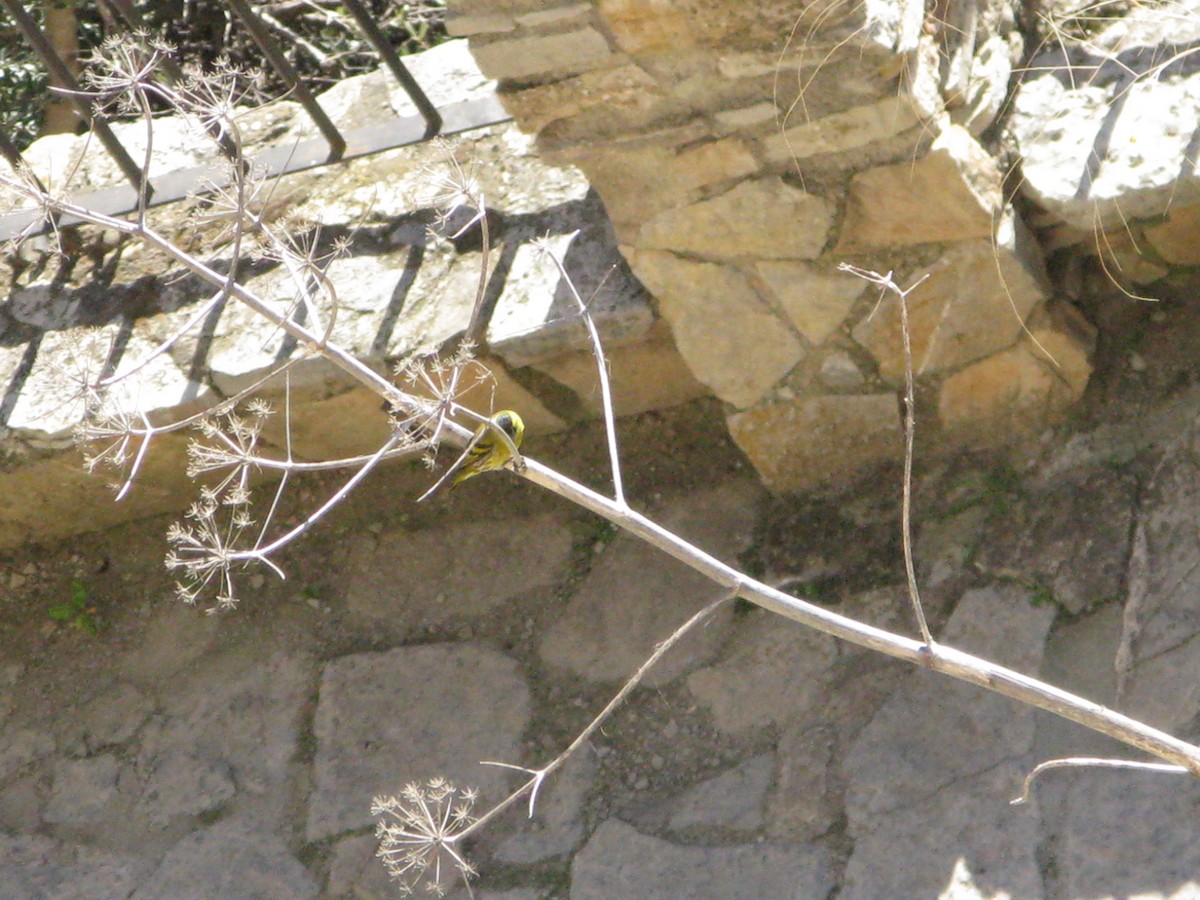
[[76, 612], [22, 91], [205, 35]]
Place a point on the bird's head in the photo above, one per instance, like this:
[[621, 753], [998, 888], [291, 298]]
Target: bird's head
[[510, 423]]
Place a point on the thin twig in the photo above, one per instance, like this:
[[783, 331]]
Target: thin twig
[[540, 775], [610, 425], [939, 657], [149, 431], [262, 552], [1091, 762], [471, 337], [166, 343], [910, 427], [288, 468]]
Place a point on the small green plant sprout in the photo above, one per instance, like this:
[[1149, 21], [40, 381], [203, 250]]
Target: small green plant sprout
[[1001, 484], [600, 535], [76, 611], [1040, 593]]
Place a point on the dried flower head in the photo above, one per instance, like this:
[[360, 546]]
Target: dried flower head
[[418, 832], [451, 187], [217, 95], [435, 384], [209, 544], [124, 68]]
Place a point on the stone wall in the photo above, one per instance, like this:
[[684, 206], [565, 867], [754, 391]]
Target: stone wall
[[743, 151], [400, 291], [742, 154]]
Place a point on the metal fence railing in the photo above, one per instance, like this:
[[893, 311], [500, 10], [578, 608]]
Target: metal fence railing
[[332, 146]]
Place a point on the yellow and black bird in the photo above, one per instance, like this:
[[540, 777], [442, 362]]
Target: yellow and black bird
[[487, 450]]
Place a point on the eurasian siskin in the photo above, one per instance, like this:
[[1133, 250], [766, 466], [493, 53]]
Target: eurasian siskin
[[486, 450]]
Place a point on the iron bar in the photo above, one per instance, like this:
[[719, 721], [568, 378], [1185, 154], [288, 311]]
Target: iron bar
[[387, 53], [333, 137], [9, 150], [59, 72]]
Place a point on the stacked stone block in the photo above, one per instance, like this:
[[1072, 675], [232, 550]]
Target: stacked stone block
[[743, 151]]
